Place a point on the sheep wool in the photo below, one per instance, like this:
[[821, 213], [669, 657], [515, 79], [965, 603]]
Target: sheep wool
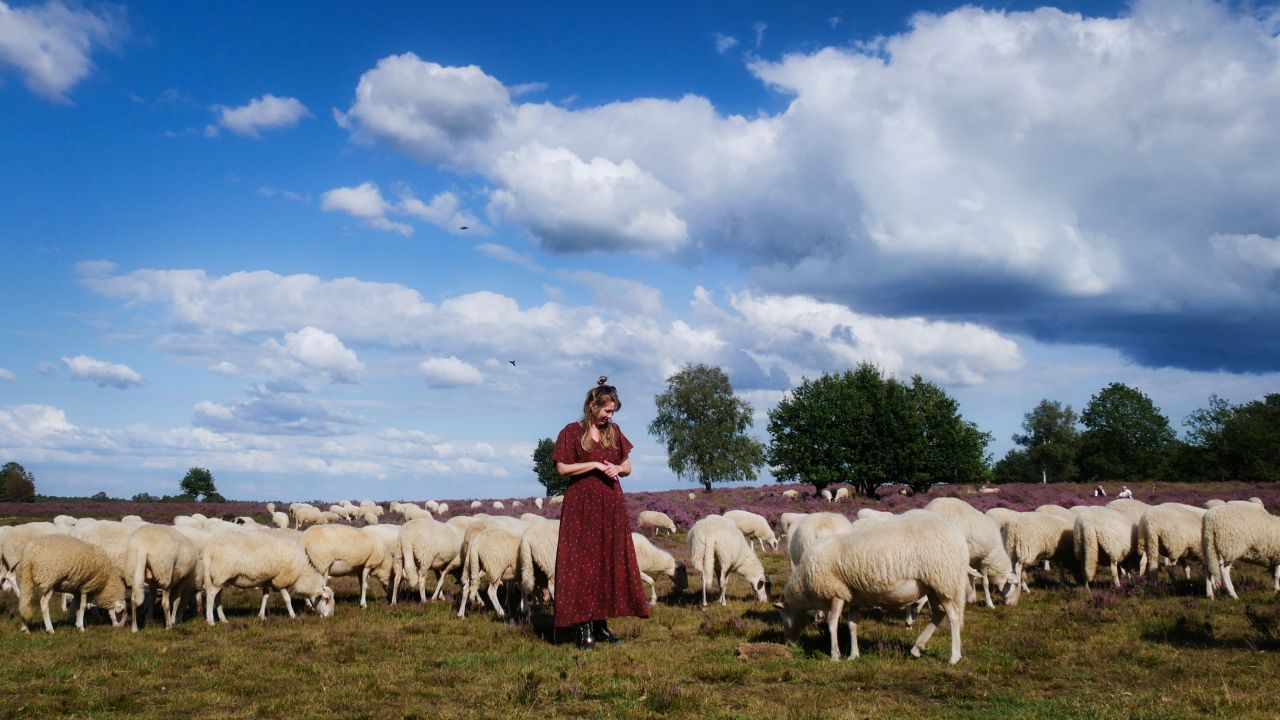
[[427, 545], [657, 520], [163, 557], [343, 550], [717, 547], [653, 560], [811, 527], [60, 563], [1101, 532], [261, 560], [1239, 531], [1169, 532], [986, 548], [754, 526]]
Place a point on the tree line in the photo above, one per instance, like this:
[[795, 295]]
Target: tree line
[[864, 428], [17, 484]]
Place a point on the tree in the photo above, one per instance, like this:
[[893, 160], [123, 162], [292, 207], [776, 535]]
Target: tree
[[1015, 467], [545, 468], [16, 484], [862, 428], [1252, 441], [1125, 437], [1051, 441], [704, 427], [198, 483]]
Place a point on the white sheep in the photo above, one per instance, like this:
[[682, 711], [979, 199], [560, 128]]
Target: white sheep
[[476, 504], [442, 509], [1172, 532], [497, 505], [279, 519], [693, 496], [426, 544], [537, 559], [890, 562], [56, 562], [826, 495], [1101, 532], [64, 521], [261, 560], [336, 550], [1238, 531], [414, 512], [653, 560], [392, 564], [1068, 515], [431, 505], [811, 527], [271, 508], [305, 515], [537, 502], [657, 520], [717, 547], [792, 494], [754, 526], [842, 493], [1035, 536], [13, 544], [168, 560], [491, 553], [1000, 516], [1130, 508], [786, 520], [369, 518], [340, 511], [555, 499], [516, 504], [133, 520], [986, 548]]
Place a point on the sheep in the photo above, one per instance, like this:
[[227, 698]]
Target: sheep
[[413, 512], [986, 548], [516, 504], [1170, 531], [657, 520], [1034, 536], [716, 544], [492, 552], [187, 521], [169, 560], [843, 494], [393, 562], [294, 508], [56, 562], [271, 508], [826, 495], [537, 556], [653, 560], [555, 499], [476, 504], [133, 520], [113, 538], [1130, 508], [442, 509], [369, 518], [307, 515], [792, 495], [431, 505], [1000, 516], [786, 520], [429, 544], [1058, 510], [279, 519], [693, 496], [262, 560], [537, 502], [64, 521], [810, 528], [343, 550], [1238, 531], [892, 561], [1101, 531], [497, 505], [13, 545], [754, 526], [340, 512]]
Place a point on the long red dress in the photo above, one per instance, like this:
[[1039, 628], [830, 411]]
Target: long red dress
[[597, 576]]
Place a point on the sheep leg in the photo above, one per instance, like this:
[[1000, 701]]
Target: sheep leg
[[854, 618], [44, 610], [724, 581], [288, 602], [364, 585], [1275, 583], [653, 593], [913, 610], [833, 626], [440, 583], [462, 603], [1115, 574], [262, 610], [986, 590], [210, 600], [493, 598], [936, 614]]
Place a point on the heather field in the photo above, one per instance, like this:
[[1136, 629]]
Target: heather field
[[1152, 649]]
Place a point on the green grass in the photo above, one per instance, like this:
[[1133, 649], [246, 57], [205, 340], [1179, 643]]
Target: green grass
[[1148, 651]]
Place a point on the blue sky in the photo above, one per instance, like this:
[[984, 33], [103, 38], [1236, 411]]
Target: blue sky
[[233, 234]]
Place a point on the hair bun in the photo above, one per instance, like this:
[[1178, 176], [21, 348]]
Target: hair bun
[[603, 379]]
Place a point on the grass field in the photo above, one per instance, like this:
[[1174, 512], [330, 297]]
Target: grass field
[[1151, 649]]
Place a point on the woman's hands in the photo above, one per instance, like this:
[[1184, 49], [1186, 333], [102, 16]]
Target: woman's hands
[[610, 470]]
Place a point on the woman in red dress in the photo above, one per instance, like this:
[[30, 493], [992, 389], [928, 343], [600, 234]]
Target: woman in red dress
[[597, 576]]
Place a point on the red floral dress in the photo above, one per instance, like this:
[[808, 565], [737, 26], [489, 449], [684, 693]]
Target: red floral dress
[[597, 576]]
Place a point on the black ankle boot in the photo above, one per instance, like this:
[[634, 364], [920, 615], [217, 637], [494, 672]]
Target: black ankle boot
[[586, 641], [603, 633]]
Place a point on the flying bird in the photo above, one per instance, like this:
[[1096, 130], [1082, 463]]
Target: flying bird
[[464, 227], [513, 363]]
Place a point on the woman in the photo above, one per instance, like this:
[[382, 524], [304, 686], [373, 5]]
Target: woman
[[597, 576]]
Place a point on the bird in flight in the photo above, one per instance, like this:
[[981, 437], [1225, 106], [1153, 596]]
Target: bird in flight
[[464, 227], [513, 363]]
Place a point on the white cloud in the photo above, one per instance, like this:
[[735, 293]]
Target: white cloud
[[508, 255], [7, 374], [225, 368], [447, 372], [102, 373], [758, 28], [443, 211], [366, 203], [526, 89], [725, 43], [27, 423], [264, 113], [51, 44], [318, 351]]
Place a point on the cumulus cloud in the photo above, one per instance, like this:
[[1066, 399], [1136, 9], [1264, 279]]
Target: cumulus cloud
[[447, 372], [225, 368], [365, 202], [313, 350], [443, 211], [7, 374], [51, 44], [101, 372], [267, 413], [264, 113], [725, 43], [1073, 178]]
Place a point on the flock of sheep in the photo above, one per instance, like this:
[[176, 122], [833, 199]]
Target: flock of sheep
[[934, 557]]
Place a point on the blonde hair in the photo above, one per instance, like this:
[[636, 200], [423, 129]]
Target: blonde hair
[[598, 397]]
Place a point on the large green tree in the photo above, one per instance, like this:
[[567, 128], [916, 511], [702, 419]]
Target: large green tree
[[704, 425], [1051, 440], [1125, 437], [545, 468], [198, 483], [865, 429], [1233, 442], [16, 484]]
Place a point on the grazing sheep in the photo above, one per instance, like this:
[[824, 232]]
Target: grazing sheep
[[555, 500], [442, 509], [843, 493], [537, 558], [1034, 536], [414, 512], [516, 504], [271, 508], [1058, 510], [336, 550], [986, 548], [340, 511], [133, 520], [792, 495], [810, 528], [497, 505], [428, 544], [164, 557], [657, 520], [537, 502], [392, 566], [653, 560], [431, 505], [1238, 531], [369, 518], [717, 547], [1101, 532], [13, 544], [262, 560], [1170, 531], [826, 495], [308, 515], [55, 562], [786, 520], [493, 553], [891, 562], [1000, 516], [1130, 508], [754, 526], [279, 519]]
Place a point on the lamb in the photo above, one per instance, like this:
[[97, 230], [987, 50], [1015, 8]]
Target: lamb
[[261, 560], [1238, 531], [492, 552], [1034, 536], [429, 544], [55, 562], [167, 559], [810, 528], [1171, 531], [890, 562], [754, 526], [986, 548], [653, 560], [1101, 531], [343, 550], [655, 519], [716, 544], [537, 556]]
